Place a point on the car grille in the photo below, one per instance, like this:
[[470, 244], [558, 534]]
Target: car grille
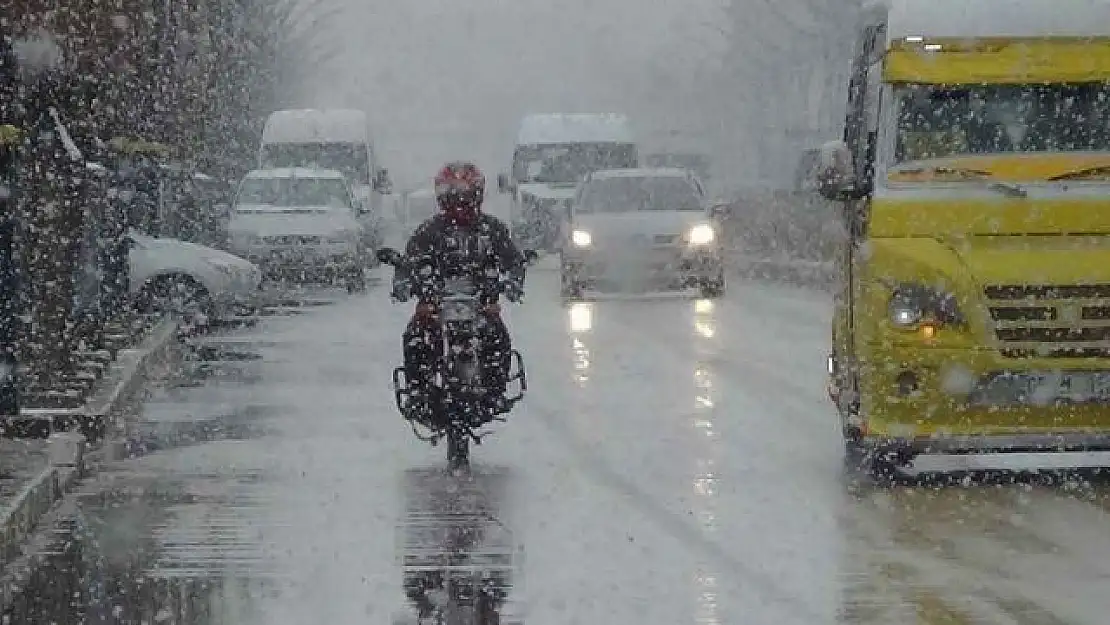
[[1051, 321], [644, 240], [292, 239]]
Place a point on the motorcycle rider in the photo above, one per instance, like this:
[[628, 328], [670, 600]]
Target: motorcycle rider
[[459, 242]]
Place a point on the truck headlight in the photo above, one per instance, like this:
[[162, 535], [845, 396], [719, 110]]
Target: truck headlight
[[581, 238], [701, 234], [911, 304]]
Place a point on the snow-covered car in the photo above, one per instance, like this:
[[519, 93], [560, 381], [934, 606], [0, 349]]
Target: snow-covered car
[[641, 225], [300, 223], [187, 278]]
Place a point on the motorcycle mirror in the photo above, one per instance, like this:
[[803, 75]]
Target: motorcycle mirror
[[389, 256]]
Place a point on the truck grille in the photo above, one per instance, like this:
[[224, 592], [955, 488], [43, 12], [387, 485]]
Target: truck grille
[[1051, 321]]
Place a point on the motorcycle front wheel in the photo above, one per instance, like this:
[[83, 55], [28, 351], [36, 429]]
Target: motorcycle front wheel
[[458, 449]]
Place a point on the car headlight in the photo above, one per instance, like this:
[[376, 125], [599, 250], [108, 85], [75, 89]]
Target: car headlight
[[701, 234], [581, 238], [914, 304]]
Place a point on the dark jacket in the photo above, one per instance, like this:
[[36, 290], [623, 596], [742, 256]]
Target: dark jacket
[[441, 250]]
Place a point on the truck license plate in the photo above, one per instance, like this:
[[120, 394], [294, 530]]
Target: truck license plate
[[1046, 388]]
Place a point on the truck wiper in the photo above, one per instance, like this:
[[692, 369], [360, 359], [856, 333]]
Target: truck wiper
[[963, 172], [1006, 188], [1099, 170]]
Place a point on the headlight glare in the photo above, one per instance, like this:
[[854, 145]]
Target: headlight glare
[[912, 304], [701, 234], [581, 238], [905, 314]]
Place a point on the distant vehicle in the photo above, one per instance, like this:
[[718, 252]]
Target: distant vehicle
[[300, 223], [338, 139], [416, 207], [650, 225], [695, 162], [189, 279], [552, 154]]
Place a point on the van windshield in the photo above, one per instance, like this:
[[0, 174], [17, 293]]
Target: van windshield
[[628, 194], [941, 121], [566, 163], [293, 192], [351, 159]]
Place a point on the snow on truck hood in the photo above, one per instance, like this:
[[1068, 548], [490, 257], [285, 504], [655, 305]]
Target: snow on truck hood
[[273, 221], [638, 222]]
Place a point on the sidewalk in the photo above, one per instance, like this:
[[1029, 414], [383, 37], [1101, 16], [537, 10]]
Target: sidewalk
[[36, 473]]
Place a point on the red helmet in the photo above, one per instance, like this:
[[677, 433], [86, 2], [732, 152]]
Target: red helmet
[[460, 188]]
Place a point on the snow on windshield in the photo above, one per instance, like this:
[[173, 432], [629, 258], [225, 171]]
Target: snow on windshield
[[935, 122]]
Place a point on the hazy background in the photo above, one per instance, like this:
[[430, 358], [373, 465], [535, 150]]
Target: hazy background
[[749, 82]]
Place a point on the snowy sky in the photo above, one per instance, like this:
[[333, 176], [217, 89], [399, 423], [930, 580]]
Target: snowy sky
[[446, 79]]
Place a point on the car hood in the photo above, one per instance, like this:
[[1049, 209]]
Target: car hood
[[548, 191], [275, 222], [184, 252], [618, 225]]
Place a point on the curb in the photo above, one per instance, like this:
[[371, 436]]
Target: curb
[[70, 457]]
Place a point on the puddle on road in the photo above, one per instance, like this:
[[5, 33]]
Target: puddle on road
[[452, 540]]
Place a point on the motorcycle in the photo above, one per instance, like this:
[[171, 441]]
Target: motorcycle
[[457, 389]]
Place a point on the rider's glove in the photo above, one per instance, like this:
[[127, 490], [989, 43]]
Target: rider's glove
[[402, 290], [513, 291]]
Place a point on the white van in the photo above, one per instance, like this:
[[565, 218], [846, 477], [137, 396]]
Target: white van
[[338, 139], [553, 153]]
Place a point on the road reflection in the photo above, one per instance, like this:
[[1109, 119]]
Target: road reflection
[[706, 453], [580, 320]]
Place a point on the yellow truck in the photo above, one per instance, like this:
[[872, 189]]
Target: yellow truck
[[973, 306]]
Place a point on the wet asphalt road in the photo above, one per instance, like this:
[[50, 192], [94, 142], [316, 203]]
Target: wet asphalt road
[[675, 461]]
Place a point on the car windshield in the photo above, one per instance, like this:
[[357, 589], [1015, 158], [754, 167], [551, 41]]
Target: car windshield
[[349, 158], [640, 193], [938, 122], [316, 192], [567, 163]]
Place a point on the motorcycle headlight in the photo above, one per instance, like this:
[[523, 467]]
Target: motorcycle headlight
[[701, 234], [912, 304], [581, 238]]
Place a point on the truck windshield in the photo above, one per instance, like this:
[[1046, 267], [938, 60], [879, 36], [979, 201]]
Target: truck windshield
[[566, 163], [292, 192], [940, 121], [628, 194], [350, 158]]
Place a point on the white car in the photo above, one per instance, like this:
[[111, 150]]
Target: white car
[[186, 278], [641, 225], [301, 223]]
